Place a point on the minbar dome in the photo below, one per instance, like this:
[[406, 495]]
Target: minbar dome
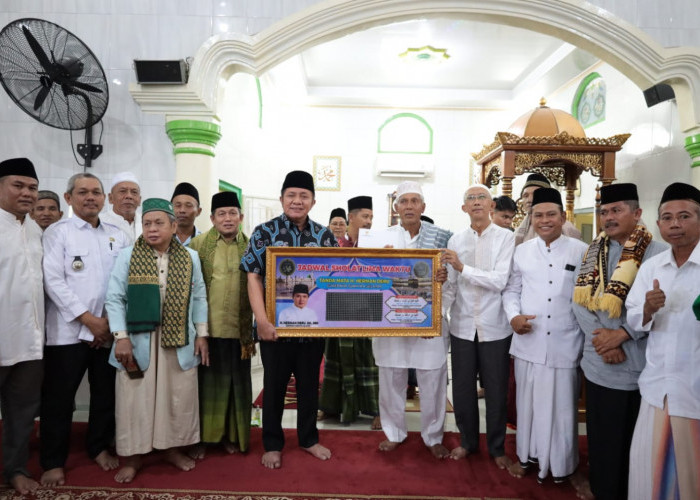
[[546, 122]]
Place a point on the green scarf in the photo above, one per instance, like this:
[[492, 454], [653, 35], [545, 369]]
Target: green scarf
[[245, 314], [143, 294]]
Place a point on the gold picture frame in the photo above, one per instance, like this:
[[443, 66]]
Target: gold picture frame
[[353, 292], [327, 173]]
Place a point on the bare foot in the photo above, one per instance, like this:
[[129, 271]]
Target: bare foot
[[387, 445], [439, 451], [23, 485], [503, 462], [128, 471], [106, 460], [516, 470], [179, 459], [272, 459], [582, 486], [321, 415], [458, 453], [377, 423], [319, 451], [53, 477], [197, 452], [231, 448]]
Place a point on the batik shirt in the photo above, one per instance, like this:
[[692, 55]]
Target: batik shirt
[[281, 232]]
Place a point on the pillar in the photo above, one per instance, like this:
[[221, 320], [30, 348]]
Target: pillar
[[692, 146], [194, 142]]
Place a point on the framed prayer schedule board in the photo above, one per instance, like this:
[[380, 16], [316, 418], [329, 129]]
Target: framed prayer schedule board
[[353, 292]]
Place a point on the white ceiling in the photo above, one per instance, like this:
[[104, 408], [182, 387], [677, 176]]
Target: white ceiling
[[490, 66]]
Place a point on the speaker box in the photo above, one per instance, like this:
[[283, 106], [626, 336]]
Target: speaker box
[[658, 93], [161, 72]]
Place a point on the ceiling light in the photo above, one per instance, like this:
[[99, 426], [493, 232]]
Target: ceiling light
[[425, 55]]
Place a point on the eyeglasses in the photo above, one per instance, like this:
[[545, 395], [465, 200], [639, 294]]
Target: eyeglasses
[[480, 197]]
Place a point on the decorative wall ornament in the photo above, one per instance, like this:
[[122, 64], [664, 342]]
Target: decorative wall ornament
[[327, 173], [588, 105]]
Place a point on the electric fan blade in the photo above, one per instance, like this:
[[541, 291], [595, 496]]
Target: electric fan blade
[[38, 51], [84, 86], [41, 97]]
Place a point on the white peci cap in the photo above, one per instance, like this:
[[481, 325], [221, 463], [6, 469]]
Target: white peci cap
[[408, 187], [123, 177]]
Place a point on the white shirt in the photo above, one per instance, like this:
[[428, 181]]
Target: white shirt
[[473, 297], [410, 352], [131, 229], [300, 317], [73, 290], [22, 291], [672, 369], [542, 283]]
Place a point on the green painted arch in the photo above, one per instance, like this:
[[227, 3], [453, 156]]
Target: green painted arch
[[399, 116]]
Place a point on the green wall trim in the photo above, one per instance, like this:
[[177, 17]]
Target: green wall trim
[[405, 115], [227, 186], [193, 151], [199, 132], [579, 92], [692, 146], [260, 102]]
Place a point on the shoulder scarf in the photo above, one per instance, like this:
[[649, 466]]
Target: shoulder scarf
[[593, 288], [245, 315], [143, 295]]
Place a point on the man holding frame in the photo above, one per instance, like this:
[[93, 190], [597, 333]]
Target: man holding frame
[[283, 356]]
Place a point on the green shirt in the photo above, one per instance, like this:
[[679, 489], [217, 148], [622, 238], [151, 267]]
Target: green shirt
[[223, 289]]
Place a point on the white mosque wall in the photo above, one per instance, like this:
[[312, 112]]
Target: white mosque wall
[[292, 134], [119, 31]]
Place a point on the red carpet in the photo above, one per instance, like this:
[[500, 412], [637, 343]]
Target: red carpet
[[290, 398], [356, 470]]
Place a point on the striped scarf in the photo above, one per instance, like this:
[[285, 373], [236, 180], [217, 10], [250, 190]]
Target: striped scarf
[[594, 290], [143, 293]]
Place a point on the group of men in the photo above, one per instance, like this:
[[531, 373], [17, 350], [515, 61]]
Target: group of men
[[140, 312], [118, 295]]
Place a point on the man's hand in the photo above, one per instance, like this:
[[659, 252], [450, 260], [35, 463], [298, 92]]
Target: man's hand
[[614, 356], [655, 300], [201, 347], [521, 323], [441, 275], [450, 257], [266, 331], [123, 351], [605, 339], [99, 327]]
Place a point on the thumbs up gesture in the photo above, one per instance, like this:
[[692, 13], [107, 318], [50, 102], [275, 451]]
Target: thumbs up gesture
[[655, 300]]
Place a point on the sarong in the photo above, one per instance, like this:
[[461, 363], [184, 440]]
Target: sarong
[[350, 379], [225, 394]]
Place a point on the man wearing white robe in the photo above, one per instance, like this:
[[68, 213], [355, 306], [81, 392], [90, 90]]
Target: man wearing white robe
[[395, 355], [22, 313], [664, 301], [125, 199], [548, 344], [157, 395]]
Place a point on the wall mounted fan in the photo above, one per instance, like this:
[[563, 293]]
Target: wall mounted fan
[[54, 77]]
